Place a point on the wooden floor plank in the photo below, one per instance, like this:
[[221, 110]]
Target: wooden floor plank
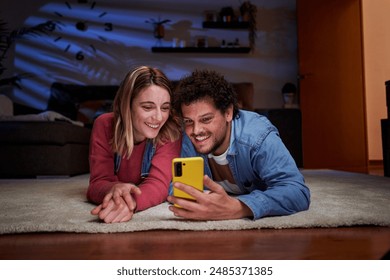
[[349, 243]]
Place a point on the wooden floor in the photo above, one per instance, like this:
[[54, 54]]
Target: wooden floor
[[350, 243]]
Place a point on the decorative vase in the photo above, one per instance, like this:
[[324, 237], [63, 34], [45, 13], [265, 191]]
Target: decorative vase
[[289, 100]]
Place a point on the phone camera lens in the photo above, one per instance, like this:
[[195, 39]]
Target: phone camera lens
[[178, 169]]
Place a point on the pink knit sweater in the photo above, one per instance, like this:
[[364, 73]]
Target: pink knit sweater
[[101, 159]]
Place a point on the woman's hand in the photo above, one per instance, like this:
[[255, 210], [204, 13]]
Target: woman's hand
[[118, 205]]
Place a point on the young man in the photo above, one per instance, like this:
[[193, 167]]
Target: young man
[[248, 170]]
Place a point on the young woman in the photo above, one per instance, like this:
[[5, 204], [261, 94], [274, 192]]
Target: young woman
[[132, 148]]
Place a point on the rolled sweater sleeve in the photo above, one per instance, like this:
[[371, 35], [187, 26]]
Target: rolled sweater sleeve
[[101, 160]]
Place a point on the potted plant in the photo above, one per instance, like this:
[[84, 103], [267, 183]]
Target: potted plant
[[158, 27], [7, 38], [248, 13], [289, 93]]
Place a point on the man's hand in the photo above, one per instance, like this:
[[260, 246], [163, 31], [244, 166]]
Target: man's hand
[[118, 205], [215, 204]]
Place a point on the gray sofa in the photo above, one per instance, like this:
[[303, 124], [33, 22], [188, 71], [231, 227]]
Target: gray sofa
[[60, 148], [31, 146], [39, 148]]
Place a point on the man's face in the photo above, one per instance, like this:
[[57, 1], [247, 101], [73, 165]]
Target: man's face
[[207, 127]]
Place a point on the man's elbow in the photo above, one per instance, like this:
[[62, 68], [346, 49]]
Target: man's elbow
[[305, 200]]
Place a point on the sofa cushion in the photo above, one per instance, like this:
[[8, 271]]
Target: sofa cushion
[[67, 99], [31, 132], [6, 106], [89, 110], [33, 160]]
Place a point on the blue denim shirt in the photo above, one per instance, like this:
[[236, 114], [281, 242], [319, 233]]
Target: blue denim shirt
[[265, 172]]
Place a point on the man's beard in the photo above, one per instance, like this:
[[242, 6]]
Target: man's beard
[[216, 143]]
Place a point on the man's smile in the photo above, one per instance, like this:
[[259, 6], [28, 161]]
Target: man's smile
[[201, 138]]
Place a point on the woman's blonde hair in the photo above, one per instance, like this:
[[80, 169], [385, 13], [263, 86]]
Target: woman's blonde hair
[[135, 81]]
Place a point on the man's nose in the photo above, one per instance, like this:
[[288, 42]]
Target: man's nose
[[196, 128]]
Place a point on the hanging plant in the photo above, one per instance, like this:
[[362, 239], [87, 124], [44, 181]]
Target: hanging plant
[[7, 38], [248, 13]]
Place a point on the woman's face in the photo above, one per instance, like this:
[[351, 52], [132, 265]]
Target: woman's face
[[149, 111]]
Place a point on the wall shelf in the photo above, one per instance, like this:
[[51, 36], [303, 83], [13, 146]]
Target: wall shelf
[[201, 50], [210, 24], [226, 25]]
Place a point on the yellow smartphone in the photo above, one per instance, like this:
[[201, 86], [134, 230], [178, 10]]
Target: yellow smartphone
[[188, 171]]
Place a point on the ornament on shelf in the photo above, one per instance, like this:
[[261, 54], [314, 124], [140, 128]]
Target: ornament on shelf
[[158, 28]]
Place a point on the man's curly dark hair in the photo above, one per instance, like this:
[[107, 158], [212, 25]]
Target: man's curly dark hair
[[202, 84]]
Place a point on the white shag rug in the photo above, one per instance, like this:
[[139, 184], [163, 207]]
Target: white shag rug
[[59, 205]]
